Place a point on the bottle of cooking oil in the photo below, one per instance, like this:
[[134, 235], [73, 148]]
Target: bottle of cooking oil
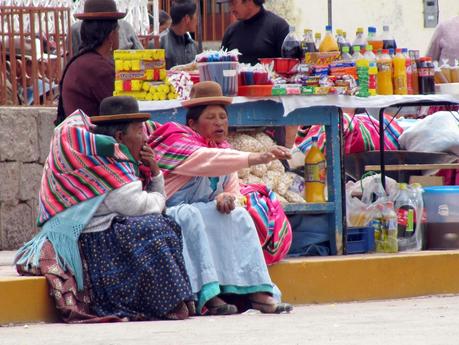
[[315, 173]]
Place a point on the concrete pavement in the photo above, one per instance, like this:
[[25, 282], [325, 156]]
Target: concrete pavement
[[420, 321]]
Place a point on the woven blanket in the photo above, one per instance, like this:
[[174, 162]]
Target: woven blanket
[[174, 143], [80, 166]]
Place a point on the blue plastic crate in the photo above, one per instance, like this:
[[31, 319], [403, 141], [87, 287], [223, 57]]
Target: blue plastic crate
[[360, 240]]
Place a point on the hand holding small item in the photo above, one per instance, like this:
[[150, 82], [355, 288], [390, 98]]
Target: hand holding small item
[[147, 156]]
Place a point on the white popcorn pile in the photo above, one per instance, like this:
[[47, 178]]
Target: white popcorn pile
[[273, 174]]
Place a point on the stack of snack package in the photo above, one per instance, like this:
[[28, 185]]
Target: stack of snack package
[[142, 75]]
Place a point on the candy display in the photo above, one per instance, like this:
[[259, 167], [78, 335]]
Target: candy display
[[142, 75]]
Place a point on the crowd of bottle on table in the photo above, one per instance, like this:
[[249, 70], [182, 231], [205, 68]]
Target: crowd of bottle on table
[[374, 61]]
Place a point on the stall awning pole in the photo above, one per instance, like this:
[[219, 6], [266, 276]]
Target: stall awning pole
[[330, 12]]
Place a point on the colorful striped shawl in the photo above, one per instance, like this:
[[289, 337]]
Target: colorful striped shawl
[[80, 166], [174, 143]]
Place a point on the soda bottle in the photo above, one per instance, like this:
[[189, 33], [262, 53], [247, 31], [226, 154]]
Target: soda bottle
[[400, 83], [373, 40], [409, 72], [390, 244], [414, 72], [420, 216], [340, 39], [388, 38], [329, 43], [359, 40], [346, 41], [358, 57], [369, 55], [384, 79], [315, 173], [345, 55], [405, 209], [317, 40], [373, 78], [307, 45], [426, 74], [291, 46]]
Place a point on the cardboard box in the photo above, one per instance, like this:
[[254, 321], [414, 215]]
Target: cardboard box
[[427, 181]]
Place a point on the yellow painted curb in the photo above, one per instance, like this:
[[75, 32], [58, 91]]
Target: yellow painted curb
[[302, 281], [25, 299], [367, 277]]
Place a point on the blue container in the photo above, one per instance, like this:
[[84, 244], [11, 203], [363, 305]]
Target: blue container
[[442, 208], [360, 240], [442, 204]]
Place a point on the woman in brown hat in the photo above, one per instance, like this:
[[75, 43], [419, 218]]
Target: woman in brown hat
[[221, 247], [95, 209], [89, 76]]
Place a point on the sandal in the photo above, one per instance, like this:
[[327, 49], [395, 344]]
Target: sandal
[[179, 313], [222, 309], [268, 308], [191, 308]]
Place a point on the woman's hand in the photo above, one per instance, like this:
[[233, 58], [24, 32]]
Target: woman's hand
[[276, 152], [147, 156], [226, 202]]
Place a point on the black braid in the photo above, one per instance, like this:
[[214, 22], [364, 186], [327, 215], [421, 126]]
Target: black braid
[[93, 34]]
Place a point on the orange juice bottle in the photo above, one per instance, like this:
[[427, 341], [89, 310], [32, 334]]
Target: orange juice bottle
[[315, 172], [400, 79], [329, 43], [373, 40], [384, 78]]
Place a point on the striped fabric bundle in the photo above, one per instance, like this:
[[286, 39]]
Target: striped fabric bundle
[[273, 227], [174, 143], [80, 166], [361, 133]]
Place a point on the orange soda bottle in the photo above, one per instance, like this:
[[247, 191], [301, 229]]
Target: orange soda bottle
[[400, 78], [315, 172], [329, 43], [384, 78]]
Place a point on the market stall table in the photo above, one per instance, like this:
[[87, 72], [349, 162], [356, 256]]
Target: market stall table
[[306, 110]]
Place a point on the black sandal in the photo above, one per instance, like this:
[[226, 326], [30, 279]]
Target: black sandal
[[268, 308], [222, 309]]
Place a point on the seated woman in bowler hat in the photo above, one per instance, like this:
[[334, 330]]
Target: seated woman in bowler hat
[[92, 198]]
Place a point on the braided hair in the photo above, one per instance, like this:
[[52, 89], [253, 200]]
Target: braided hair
[[93, 34]]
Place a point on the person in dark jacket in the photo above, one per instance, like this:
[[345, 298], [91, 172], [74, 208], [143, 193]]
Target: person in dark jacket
[[180, 47], [257, 33], [89, 76]]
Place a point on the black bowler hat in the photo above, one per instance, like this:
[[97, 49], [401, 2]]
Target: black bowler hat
[[100, 10], [119, 109]]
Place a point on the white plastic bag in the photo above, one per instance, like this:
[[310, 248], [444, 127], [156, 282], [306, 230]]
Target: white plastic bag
[[436, 133]]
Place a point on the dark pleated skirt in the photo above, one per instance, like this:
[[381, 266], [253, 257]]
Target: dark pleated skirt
[[136, 268]]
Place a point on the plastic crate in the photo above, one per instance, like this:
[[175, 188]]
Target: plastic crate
[[360, 240]]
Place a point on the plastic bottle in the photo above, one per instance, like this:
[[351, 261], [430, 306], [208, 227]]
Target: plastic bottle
[[414, 72], [345, 55], [373, 40], [420, 216], [359, 40], [373, 78], [388, 38], [390, 244], [291, 46], [385, 86], [409, 72], [340, 39], [315, 173], [369, 55], [307, 45], [329, 43], [317, 40], [346, 41], [358, 57], [400, 77], [426, 76], [405, 208]]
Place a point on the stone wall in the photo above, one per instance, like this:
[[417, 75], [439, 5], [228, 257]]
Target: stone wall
[[25, 134]]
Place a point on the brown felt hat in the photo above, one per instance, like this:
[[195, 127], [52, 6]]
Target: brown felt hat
[[207, 93], [119, 109], [100, 10]]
